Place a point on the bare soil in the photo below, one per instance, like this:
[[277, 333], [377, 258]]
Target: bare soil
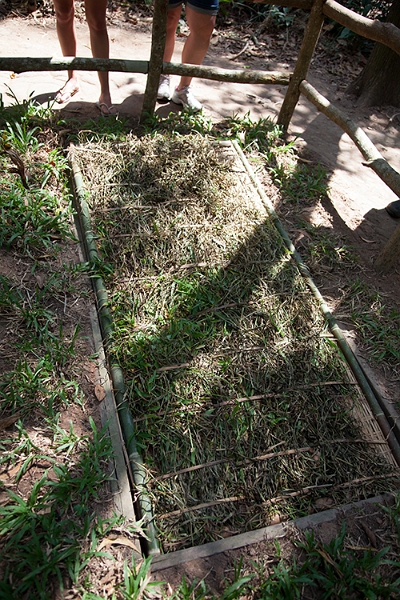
[[354, 207]]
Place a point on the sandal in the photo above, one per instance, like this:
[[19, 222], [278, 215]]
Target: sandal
[[107, 111], [65, 96]]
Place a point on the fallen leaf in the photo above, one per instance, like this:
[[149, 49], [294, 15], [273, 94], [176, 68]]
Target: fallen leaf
[[99, 392], [368, 241], [108, 577], [275, 520], [8, 421], [10, 474], [328, 559], [323, 503], [362, 548], [40, 279], [120, 541]]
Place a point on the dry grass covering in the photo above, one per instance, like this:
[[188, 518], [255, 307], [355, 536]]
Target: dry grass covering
[[244, 409]]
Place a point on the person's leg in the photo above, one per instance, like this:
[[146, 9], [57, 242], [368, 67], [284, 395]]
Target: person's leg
[[201, 27], [164, 89], [172, 23], [100, 45], [64, 10], [201, 20]]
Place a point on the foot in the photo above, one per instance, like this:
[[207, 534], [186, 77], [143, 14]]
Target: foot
[[67, 91], [107, 110], [186, 97], [393, 209], [164, 90]]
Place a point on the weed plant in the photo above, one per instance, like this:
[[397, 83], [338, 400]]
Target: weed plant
[[333, 570], [51, 532], [338, 569], [32, 217]]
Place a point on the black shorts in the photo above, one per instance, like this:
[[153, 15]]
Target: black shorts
[[206, 7]]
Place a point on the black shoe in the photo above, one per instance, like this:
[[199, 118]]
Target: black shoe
[[393, 209]]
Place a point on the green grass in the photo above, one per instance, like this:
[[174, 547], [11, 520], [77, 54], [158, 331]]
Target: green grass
[[32, 220], [377, 320], [51, 532], [312, 569], [332, 570], [322, 248], [50, 527]]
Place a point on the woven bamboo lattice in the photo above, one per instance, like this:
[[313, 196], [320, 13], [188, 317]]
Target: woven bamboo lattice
[[242, 404]]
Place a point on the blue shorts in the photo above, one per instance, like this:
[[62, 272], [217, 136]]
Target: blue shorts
[[206, 7]]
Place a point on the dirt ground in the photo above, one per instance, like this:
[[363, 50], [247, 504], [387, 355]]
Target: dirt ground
[[357, 197]]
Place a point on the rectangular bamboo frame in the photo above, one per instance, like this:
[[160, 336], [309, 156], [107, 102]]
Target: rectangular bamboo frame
[[384, 33]]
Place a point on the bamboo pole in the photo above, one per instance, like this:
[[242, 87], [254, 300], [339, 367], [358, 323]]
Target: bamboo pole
[[158, 37], [374, 160], [21, 64], [105, 318], [217, 74], [310, 40], [385, 33]]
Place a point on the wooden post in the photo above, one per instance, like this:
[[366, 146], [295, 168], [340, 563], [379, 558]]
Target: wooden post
[[310, 40], [159, 34]]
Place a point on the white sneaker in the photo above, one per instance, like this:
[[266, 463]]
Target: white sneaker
[[164, 91], [186, 97]]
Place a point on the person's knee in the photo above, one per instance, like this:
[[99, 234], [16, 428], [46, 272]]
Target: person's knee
[[64, 14], [173, 19], [202, 26], [97, 23], [202, 34]]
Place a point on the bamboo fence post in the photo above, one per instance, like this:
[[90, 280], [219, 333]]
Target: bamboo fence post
[[310, 40], [374, 160], [158, 37], [219, 74]]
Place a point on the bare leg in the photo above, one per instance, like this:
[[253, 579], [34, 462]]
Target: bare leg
[[64, 10], [96, 20], [172, 23], [201, 27]]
